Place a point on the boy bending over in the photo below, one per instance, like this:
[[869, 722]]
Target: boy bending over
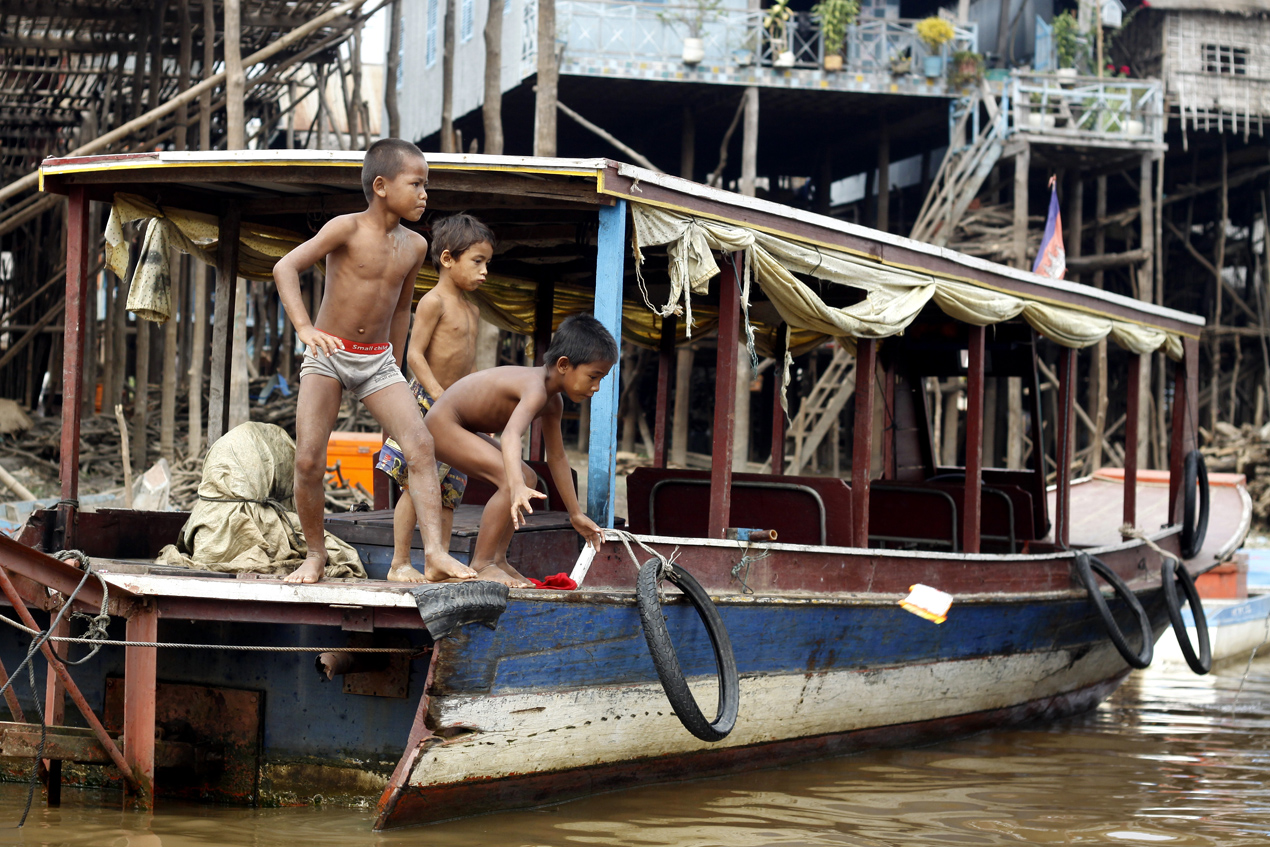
[[508, 400], [442, 350], [371, 262]]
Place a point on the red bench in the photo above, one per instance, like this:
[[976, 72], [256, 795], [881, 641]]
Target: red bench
[[802, 509]]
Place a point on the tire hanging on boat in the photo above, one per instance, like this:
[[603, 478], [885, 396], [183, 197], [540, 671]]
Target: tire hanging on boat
[[1173, 572], [667, 662], [1194, 482], [1086, 567]]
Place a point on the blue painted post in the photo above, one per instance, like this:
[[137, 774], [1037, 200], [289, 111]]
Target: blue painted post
[[601, 488]]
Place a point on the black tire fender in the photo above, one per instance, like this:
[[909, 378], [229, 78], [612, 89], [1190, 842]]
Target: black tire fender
[[1173, 572], [1086, 567], [666, 661], [1194, 486]]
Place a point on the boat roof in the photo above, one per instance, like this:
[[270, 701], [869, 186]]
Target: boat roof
[[307, 182]]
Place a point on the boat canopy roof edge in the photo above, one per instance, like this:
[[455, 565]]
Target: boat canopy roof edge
[[876, 257]]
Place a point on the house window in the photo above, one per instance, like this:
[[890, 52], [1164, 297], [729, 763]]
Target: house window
[[467, 19], [430, 42], [1220, 59]]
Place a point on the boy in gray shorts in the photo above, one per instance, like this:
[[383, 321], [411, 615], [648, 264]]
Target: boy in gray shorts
[[371, 264]]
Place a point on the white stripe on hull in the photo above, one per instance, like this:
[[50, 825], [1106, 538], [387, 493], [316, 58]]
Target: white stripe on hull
[[542, 732]]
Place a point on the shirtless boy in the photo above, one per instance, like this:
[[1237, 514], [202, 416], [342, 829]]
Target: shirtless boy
[[508, 400], [371, 263], [442, 350]]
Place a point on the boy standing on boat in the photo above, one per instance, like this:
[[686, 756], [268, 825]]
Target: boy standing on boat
[[508, 400], [371, 263], [442, 350]]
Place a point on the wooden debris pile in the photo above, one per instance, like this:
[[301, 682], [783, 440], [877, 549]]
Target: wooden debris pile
[[37, 448], [988, 232], [1244, 450]]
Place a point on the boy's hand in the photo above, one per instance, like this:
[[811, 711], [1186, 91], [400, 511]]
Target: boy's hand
[[588, 529], [521, 503], [317, 340]]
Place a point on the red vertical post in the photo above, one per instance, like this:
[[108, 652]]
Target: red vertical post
[[77, 247], [778, 413], [1063, 431], [972, 512], [1185, 420], [724, 399], [862, 448], [1131, 436], [544, 308], [139, 687], [665, 368]]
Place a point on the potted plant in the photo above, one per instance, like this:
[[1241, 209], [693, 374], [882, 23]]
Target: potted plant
[[695, 16], [835, 16], [934, 32], [776, 25], [1066, 43], [967, 68]]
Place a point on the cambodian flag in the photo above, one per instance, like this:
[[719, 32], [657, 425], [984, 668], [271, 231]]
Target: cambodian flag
[[1051, 261]]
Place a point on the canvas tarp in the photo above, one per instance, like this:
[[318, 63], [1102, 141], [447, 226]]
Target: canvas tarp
[[245, 520]]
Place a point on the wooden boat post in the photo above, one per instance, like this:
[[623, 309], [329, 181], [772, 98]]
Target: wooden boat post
[[724, 399], [972, 515], [140, 683], [862, 448], [778, 413], [1133, 402], [610, 260], [665, 366], [544, 308], [1063, 447], [77, 248]]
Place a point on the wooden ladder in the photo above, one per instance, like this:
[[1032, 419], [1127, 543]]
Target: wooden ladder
[[820, 410], [962, 173]]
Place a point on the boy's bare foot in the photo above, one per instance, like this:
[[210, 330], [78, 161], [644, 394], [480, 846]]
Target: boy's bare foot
[[312, 570], [444, 567], [493, 573], [404, 572]]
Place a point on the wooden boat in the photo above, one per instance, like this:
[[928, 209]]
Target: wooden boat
[[809, 652]]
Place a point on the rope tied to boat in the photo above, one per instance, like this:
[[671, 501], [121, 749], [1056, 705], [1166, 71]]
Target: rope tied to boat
[[95, 632], [1130, 531]]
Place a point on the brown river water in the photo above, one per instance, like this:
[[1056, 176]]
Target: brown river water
[[1171, 759]]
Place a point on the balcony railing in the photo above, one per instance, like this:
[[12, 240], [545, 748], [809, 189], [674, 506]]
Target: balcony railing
[[1087, 108], [603, 29]]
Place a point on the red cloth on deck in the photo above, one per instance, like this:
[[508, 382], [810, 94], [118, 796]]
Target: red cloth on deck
[[558, 581]]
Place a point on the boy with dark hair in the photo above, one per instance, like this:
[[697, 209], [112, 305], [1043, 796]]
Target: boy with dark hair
[[371, 263], [508, 400], [442, 350]]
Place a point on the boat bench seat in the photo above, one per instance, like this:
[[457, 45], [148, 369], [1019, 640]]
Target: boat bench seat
[[802, 509], [930, 513]]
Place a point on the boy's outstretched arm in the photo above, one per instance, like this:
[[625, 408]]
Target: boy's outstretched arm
[[427, 316], [286, 274], [521, 495], [558, 462]]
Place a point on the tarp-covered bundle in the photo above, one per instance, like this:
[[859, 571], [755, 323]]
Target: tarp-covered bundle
[[245, 519]]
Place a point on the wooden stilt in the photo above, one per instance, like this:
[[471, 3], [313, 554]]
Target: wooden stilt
[[970, 517], [222, 335], [741, 427], [1014, 423], [545, 97], [141, 403], [862, 446], [543, 310], [140, 668], [683, 397], [1185, 420], [167, 392], [749, 143], [1022, 161], [198, 346], [1076, 221], [884, 175], [1219, 263], [602, 452], [724, 397], [238, 378], [1064, 432], [1132, 441], [665, 361], [778, 413]]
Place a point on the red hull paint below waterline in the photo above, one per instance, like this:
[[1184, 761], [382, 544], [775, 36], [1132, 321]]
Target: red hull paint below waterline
[[411, 806]]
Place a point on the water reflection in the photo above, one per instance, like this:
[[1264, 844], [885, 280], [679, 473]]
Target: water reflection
[[1171, 759]]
